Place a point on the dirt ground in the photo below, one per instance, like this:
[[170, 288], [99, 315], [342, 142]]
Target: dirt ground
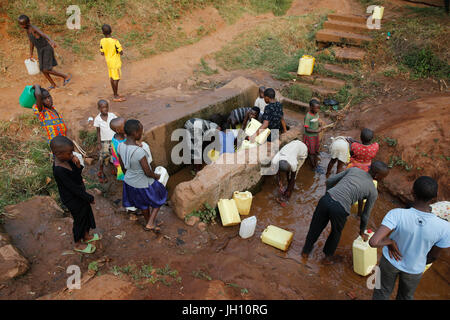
[[217, 263]]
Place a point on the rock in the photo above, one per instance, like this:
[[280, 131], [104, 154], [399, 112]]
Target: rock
[[192, 220], [201, 226], [190, 82], [97, 192], [88, 161], [4, 239], [12, 263]]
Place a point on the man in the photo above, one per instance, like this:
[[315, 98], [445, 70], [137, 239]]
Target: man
[[411, 238], [289, 160], [343, 190]]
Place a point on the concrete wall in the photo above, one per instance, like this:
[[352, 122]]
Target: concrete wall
[[239, 92], [231, 172]]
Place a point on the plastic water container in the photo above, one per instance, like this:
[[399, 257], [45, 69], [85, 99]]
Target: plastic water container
[[164, 175], [427, 267], [27, 98], [364, 256], [247, 228], [262, 137], [229, 213], [243, 201], [32, 67], [277, 237], [378, 12], [306, 65], [354, 208], [252, 127], [247, 145]]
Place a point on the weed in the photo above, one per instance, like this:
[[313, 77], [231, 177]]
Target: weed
[[166, 271], [244, 291], [424, 63], [93, 266], [392, 142], [206, 69], [208, 215], [88, 139], [115, 270], [201, 275]]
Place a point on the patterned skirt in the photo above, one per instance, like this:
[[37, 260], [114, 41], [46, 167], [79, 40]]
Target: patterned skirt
[[312, 143]]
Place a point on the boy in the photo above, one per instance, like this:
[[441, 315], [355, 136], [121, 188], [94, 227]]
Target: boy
[[112, 50], [312, 125], [272, 117], [343, 190], [260, 102], [237, 116], [289, 160], [73, 193], [104, 136], [410, 238], [253, 113]]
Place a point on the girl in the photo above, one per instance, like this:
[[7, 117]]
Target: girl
[[73, 193], [44, 46], [363, 153], [141, 188]]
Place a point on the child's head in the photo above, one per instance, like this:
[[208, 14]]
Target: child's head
[[103, 107], [425, 189], [47, 99], [62, 148], [106, 29], [217, 119], [269, 95], [261, 92], [314, 106], [117, 125], [378, 170], [254, 113], [133, 128], [366, 136], [24, 21]]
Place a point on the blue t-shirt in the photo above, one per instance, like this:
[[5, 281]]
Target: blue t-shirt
[[415, 233], [226, 141]]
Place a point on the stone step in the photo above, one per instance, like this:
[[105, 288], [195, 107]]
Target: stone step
[[339, 69], [326, 82], [328, 35], [349, 54], [347, 18], [320, 90], [346, 26]]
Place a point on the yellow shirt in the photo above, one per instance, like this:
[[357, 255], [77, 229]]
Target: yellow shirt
[[111, 48]]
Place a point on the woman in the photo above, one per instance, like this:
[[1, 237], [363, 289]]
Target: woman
[[44, 46], [363, 153]]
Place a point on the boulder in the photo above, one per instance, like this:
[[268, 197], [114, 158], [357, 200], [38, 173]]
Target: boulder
[[12, 263]]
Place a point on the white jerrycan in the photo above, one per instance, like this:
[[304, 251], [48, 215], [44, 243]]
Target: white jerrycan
[[32, 67], [247, 228]]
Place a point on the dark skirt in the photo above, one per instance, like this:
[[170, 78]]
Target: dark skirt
[[153, 196], [83, 220], [46, 57], [312, 143]]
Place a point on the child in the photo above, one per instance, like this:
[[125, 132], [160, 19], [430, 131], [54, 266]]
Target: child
[[73, 193], [312, 129], [44, 47], [104, 136], [236, 117], [260, 102], [253, 113], [362, 154], [112, 50], [141, 188], [339, 150], [117, 125]]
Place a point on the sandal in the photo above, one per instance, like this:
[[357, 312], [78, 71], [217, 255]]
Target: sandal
[[50, 88], [95, 238], [155, 229], [67, 80], [89, 249]]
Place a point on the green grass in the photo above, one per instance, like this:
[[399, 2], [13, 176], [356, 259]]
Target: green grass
[[200, 274], [206, 69], [88, 139], [207, 215], [298, 92]]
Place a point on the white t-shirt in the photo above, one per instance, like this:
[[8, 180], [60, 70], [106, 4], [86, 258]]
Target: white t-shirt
[[295, 153], [260, 103], [106, 134]]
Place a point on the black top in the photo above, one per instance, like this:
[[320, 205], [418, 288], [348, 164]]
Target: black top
[[71, 187], [39, 43], [273, 112]]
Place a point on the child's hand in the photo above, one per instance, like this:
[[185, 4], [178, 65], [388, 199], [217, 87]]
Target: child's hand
[[157, 176], [76, 161]]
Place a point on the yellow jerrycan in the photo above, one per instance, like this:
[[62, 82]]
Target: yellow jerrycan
[[364, 256], [229, 213], [306, 65], [354, 208], [262, 137], [252, 127], [243, 201], [277, 237], [213, 155]]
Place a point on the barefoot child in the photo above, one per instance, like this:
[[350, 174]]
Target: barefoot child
[[141, 188], [312, 129], [73, 193], [104, 136], [112, 50], [44, 47]]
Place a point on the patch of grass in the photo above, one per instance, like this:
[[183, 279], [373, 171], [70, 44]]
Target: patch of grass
[[93, 266], [398, 161], [167, 271], [206, 69], [207, 215], [392, 142], [88, 139], [200, 274], [427, 11], [298, 92], [424, 63]]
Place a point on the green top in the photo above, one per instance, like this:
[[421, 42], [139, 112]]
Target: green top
[[312, 122]]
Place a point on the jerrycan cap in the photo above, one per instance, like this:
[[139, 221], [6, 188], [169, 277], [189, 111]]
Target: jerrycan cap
[[369, 231]]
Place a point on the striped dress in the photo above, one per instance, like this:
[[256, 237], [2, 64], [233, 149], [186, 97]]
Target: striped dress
[[198, 128]]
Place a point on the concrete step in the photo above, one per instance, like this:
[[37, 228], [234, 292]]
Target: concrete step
[[339, 69], [349, 54], [328, 35], [326, 82], [347, 18], [346, 26]]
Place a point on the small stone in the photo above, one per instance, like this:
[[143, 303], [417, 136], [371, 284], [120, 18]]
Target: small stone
[[97, 191], [201, 226], [192, 220], [89, 161]]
